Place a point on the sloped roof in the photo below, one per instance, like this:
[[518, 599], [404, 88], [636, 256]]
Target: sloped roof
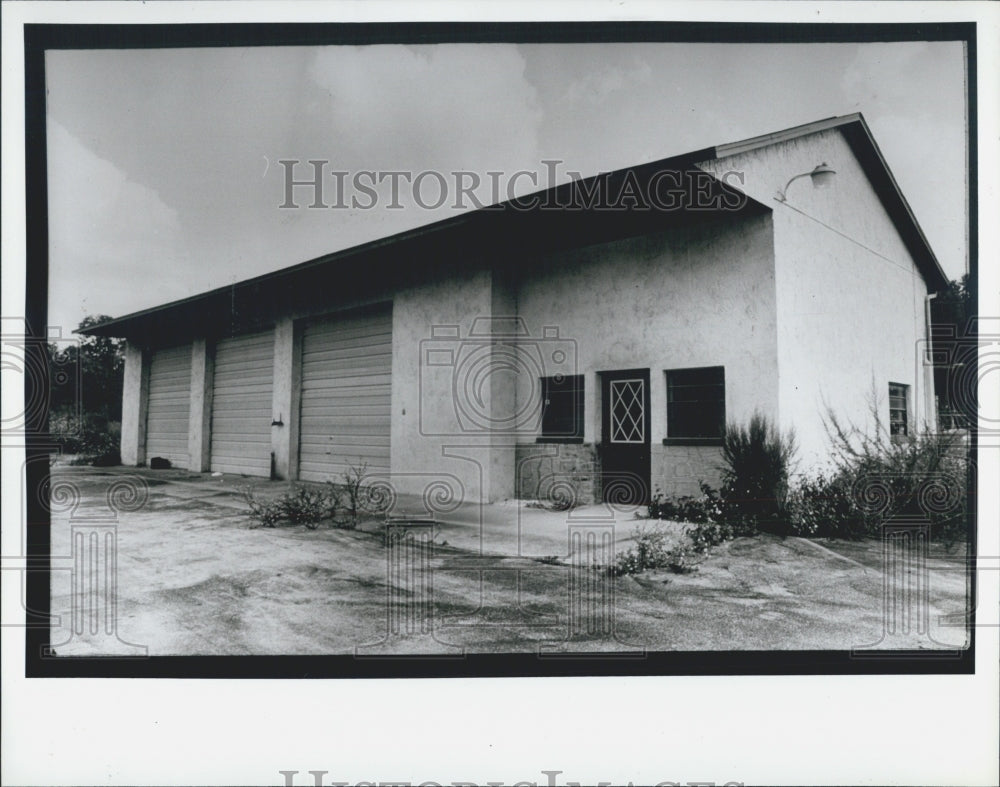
[[859, 137], [500, 227]]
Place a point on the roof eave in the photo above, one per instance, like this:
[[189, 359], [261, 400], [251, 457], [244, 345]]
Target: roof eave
[[853, 127], [859, 136]]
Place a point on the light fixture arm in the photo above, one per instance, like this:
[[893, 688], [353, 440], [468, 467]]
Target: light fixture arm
[[820, 174], [780, 195]]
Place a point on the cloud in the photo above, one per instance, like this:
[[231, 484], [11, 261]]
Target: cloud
[[102, 223], [927, 157], [439, 106], [595, 88], [911, 96]]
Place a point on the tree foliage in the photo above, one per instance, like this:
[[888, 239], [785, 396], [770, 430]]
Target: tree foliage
[[955, 347], [86, 376]]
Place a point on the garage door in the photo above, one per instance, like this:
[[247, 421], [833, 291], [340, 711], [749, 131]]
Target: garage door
[[169, 405], [241, 404], [346, 388]]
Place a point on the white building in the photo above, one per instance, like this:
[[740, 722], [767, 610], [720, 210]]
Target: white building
[[607, 327]]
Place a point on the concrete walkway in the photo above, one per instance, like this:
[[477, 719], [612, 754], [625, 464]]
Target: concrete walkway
[[513, 528]]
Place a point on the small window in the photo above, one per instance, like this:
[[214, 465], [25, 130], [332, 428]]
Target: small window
[[696, 404], [562, 408], [898, 415]]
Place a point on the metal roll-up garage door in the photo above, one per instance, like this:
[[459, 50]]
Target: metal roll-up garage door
[[169, 405], [346, 389], [241, 404]]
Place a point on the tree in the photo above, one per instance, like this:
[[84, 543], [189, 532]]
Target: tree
[[88, 374], [954, 344], [954, 306]]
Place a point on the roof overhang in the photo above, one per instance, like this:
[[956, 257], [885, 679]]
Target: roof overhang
[[625, 203], [636, 201]]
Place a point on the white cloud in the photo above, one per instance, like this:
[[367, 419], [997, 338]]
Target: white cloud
[[595, 88], [104, 224], [911, 96], [927, 157], [440, 106]]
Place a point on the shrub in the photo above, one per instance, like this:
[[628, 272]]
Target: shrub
[[310, 506], [649, 551], [824, 505], [914, 475], [91, 436], [262, 513], [300, 505], [757, 463], [352, 489], [708, 508], [710, 534], [684, 559], [303, 505]]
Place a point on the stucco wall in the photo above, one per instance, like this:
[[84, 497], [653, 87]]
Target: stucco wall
[[850, 299], [450, 389], [703, 295]]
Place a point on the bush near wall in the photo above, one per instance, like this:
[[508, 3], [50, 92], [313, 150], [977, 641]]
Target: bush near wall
[[874, 478], [91, 437], [877, 477], [757, 463]]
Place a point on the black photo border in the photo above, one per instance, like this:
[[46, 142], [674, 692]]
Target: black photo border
[[38, 38]]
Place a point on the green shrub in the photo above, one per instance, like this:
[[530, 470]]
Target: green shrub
[[757, 463]]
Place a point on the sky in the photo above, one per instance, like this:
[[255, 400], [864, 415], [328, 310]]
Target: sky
[[164, 174]]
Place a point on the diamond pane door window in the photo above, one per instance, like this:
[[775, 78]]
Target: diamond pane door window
[[625, 427]]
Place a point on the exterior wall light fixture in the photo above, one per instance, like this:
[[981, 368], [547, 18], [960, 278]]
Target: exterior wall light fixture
[[821, 176]]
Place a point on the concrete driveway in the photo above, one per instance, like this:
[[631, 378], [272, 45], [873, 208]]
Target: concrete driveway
[[194, 578]]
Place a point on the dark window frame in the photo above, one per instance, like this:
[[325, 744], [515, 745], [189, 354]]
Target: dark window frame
[[572, 395], [899, 393], [686, 379]]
